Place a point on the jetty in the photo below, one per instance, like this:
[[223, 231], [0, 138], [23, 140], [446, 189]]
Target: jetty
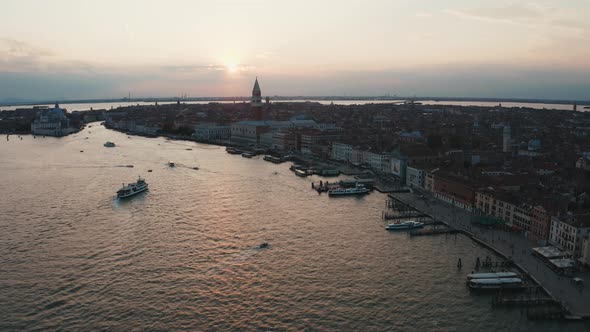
[[433, 231], [523, 300], [574, 302], [400, 216]]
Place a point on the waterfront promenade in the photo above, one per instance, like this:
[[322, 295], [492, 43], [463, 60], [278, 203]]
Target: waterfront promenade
[[511, 245]]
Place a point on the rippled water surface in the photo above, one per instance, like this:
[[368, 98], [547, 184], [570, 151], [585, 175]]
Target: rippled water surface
[[183, 256]]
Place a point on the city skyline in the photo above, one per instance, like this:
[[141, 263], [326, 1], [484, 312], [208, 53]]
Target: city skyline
[[487, 49]]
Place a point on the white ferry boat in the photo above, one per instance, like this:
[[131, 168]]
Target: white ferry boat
[[109, 144], [359, 189], [403, 225], [132, 188], [492, 275], [496, 283]]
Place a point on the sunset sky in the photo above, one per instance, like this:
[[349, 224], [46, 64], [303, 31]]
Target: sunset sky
[[70, 49]]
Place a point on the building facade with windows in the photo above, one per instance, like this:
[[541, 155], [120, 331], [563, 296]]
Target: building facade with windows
[[568, 231]]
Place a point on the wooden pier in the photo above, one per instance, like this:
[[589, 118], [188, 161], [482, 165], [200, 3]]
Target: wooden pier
[[545, 313], [533, 296], [525, 301], [433, 231], [402, 216]]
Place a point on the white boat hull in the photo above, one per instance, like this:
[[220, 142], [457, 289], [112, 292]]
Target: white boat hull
[[404, 226], [347, 193], [134, 192]]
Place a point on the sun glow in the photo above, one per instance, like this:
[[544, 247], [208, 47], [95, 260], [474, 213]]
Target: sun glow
[[232, 66]]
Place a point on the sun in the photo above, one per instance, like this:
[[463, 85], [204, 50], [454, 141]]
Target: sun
[[232, 66]]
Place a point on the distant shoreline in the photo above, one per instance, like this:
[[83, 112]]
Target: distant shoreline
[[368, 99]]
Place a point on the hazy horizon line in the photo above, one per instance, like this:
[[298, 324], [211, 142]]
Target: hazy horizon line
[[32, 102]]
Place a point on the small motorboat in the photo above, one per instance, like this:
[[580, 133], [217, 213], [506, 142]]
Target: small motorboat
[[149, 170], [263, 245], [109, 144], [248, 155], [171, 164]]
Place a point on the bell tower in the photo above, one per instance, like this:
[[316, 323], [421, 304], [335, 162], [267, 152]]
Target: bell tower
[[256, 102]]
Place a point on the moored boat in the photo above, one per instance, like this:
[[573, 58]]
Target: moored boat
[[496, 283], [273, 159], [132, 188], [248, 155], [357, 190], [403, 225], [300, 172], [231, 150], [492, 275]]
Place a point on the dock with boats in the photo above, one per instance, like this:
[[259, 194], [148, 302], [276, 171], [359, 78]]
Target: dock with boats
[[566, 307]]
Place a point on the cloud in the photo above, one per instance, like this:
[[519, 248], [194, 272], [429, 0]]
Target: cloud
[[196, 68], [17, 48], [190, 68], [423, 15], [529, 14], [16, 55], [264, 55], [510, 13]]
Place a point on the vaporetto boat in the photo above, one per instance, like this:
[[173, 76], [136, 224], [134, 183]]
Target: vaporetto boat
[[403, 225], [496, 283], [492, 275], [358, 190], [132, 188]]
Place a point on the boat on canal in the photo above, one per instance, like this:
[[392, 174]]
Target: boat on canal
[[404, 225], [132, 188]]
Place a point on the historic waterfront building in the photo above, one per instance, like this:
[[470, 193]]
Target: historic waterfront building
[[212, 132], [454, 190], [52, 122], [568, 232], [256, 102]]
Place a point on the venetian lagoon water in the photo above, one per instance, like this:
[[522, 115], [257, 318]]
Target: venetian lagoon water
[[183, 255]]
